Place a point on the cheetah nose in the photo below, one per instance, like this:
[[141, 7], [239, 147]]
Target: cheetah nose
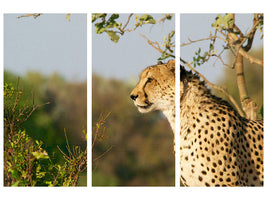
[[134, 97]]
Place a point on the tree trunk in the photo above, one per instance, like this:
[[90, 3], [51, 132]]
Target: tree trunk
[[248, 105]]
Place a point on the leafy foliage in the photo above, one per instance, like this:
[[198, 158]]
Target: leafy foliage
[[26, 161], [67, 109], [168, 45], [115, 29], [144, 19], [223, 22], [8, 90]]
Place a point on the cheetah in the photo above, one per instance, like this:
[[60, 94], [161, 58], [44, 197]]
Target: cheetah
[[218, 147], [156, 91]]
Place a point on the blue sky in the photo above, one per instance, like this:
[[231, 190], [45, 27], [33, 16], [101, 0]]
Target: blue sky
[[51, 44], [47, 44]]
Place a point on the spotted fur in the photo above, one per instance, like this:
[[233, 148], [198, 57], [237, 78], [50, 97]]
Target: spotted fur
[[218, 147]]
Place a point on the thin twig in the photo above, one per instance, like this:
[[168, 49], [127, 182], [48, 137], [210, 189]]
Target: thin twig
[[220, 58], [33, 109], [17, 98], [215, 87], [68, 146], [127, 22], [54, 183], [231, 41], [66, 157], [208, 38], [251, 33], [165, 17], [155, 45], [97, 158], [34, 15]]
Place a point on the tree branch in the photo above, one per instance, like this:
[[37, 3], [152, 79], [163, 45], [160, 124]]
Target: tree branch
[[34, 15], [208, 38], [100, 156], [215, 87], [250, 35], [233, 41], [165, 17], [155, 45], [127, 22]]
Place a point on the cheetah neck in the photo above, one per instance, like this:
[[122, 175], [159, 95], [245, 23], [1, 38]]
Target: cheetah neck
[[170, 115], [190, 102]]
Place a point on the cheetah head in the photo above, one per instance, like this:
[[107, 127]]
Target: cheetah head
[[156, 88]]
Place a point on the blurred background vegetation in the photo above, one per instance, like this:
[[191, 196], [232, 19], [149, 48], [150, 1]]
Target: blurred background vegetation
[[66, 112], [142, 145]]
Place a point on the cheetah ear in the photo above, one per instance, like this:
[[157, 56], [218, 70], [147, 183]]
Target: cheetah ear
[[182, 73], [171, 65]]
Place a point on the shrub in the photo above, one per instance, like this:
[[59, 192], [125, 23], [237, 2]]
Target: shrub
[[26, 162]]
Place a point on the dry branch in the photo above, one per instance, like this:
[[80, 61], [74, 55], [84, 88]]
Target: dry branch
[[155, 45], [127, 22], [235, 42], [215, 87], [34, 15], [203, 39]]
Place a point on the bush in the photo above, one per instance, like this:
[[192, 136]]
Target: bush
[[26, 162]]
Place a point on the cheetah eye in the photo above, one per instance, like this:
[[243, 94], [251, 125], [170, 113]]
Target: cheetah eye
[[149, 80]]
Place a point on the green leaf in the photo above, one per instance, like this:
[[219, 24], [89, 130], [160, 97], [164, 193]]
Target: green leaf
[[15, 174], [151, 21], [40, 155], [96, 16], [15, 184], [223, 22], [169, 17], [148, 19], [261, 111], [211, 47], [99, 28], [144, 17], [49, 183], [171, 34], [114, 16], [40, 174], [113, 36]]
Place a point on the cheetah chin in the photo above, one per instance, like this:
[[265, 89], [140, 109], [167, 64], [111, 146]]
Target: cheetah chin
[[145, 108]]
